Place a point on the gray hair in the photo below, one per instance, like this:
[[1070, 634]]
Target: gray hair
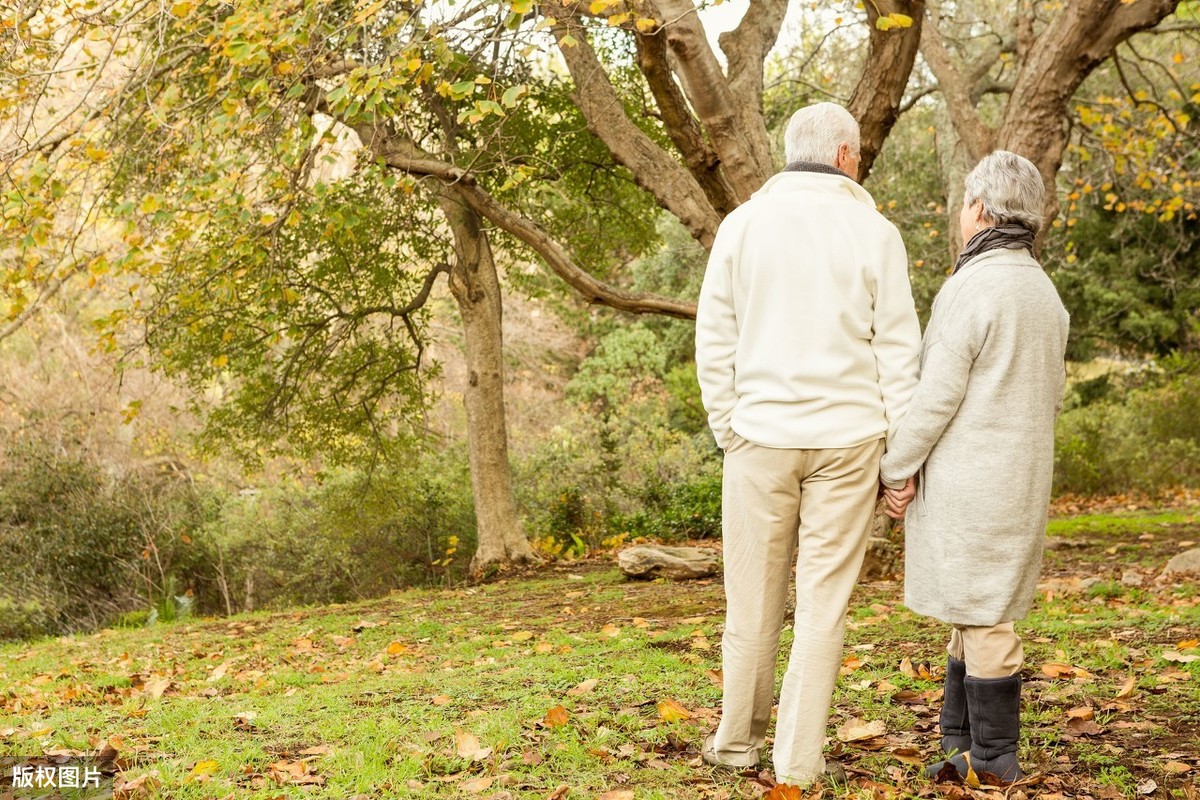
[[814, 133], [1010, 188]]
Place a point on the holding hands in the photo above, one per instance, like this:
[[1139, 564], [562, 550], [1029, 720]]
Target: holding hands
[[898, 499]]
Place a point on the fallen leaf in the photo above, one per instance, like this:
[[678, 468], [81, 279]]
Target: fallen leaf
[[784, 791], [1082, 712], [559, 793], [583, 688], [671, 711], [1178, 657], [1127, 688], [543, 648], [521, 636], [135, 788], [467, 746], [1057, 670], [611, 631], [556, 717], [906, 668], [1176, 768], [716, 677], [909, 755], [476, 785], [1189, 644], [1148, 786], [219, 671], [203, 770], [397, 648], [156, 687], [1084, 727], [617, 794], [856, 730], [441, 700]]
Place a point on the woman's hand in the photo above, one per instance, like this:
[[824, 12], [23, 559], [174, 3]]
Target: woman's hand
[[898, 499]]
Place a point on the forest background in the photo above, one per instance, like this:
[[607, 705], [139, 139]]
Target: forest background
[[308, 301]]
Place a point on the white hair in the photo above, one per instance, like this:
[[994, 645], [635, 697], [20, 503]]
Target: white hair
[[1010, 188], [814, 133]]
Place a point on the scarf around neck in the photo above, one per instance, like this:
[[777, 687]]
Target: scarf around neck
[[1006, 237]]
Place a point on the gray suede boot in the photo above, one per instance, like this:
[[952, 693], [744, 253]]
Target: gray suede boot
[[955, 720], [995, 705]]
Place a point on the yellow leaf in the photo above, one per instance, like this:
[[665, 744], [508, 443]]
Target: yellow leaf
[[182, 9], [367, 12], [521, 636], [646, 24], [556, 717], [671, 711], [1127, 688], [203, 769], [611, 631], [884, 23], [440, 700], [901, 20], [397, 648]]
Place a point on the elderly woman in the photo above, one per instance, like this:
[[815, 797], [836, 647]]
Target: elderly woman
[[974, 454]]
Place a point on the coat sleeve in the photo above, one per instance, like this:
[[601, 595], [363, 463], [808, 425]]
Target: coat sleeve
[[896, 333], [717, 339], [945, 373]]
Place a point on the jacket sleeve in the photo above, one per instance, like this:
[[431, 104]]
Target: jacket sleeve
[[896, 333], [717, 339], [945, 373]]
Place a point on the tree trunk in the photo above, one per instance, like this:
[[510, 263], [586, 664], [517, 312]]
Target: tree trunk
[[476, 288]]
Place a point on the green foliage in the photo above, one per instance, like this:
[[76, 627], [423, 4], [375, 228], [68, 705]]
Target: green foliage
[[351, 536], [78, 546], [1148, 439]]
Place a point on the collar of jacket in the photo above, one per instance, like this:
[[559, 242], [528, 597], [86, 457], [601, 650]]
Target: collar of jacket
[[828, 180], [812, 166]]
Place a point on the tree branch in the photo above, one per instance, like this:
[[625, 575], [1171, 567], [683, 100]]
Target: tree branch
[[745, 159], [974, 133], [681, 124], [876, 102], [654, 169]]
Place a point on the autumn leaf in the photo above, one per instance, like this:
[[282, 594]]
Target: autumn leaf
[[521, 636], [1127, 689], [156, 687], [617, 794], [784, 791], [203, 770], [611, 631], [1178, 657], [476, 785], [1057, 670], [143, 786], [397, 648], [467, 746], [671, 711], [583, 688], [440, 700], [857, 730], [556, 717]]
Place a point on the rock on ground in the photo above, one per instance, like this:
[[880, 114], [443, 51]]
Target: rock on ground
[[1187, 561], [679, 563]]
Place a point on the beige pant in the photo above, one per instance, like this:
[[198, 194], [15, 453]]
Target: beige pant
[[814, 506], [991, 651]]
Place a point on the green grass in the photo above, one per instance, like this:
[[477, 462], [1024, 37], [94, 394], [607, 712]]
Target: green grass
[[388, 698]]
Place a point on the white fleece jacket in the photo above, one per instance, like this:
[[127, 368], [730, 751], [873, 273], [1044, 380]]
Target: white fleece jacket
[[806, 334]]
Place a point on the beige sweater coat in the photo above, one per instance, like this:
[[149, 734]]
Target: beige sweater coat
[[980, 432]]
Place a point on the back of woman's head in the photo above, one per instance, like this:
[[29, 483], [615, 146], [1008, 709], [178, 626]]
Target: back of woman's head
[[1010, 188]]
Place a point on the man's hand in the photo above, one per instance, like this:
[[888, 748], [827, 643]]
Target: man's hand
[[898, 499]]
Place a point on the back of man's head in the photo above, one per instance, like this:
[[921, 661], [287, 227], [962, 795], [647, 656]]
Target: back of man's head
[[815, 133]]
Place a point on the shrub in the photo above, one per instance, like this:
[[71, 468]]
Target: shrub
[[1145, 438]]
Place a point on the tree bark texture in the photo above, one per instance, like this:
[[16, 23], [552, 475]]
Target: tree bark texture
[[476, 288], [890, 58]]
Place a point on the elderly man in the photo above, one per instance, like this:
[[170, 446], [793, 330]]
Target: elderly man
[[806, 348]]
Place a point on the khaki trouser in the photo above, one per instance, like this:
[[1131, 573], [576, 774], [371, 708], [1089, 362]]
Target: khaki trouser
[[991, 651], [814, 506]]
